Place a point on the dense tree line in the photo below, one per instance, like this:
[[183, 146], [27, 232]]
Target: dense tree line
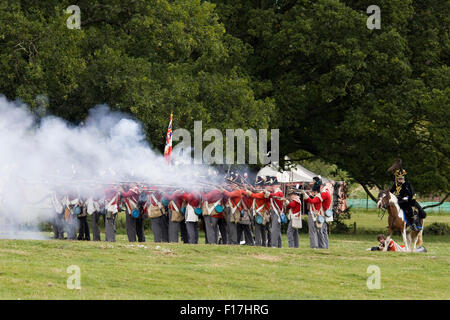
[[144, 57], [355, 97], [338, 91]]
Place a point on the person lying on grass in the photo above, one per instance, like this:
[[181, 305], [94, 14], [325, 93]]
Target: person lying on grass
[[392, 245]]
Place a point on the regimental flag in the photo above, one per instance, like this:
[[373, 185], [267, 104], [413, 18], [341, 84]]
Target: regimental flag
[[168, 148]]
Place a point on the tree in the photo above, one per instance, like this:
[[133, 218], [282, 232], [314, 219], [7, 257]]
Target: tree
[[354, 97], [146, 58]]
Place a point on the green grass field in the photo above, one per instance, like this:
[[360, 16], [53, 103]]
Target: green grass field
[[32, 269]]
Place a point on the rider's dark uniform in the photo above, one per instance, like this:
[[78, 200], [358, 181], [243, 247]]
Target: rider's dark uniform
[[405, 195], [407, 200]]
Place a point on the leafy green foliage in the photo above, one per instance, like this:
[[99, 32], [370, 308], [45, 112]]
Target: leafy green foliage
[[355, 97], [147, 58], [437, 228]]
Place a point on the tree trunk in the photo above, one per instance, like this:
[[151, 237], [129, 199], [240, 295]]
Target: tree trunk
[[368, 192]]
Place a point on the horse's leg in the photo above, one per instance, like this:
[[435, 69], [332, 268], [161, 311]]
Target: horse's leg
[[405, 240], [411, 241], [416, 236], [408, 239], [420, 239]]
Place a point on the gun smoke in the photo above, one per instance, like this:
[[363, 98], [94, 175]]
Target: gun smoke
[[42, 156]]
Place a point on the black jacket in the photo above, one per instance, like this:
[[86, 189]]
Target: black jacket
[[405, 191]]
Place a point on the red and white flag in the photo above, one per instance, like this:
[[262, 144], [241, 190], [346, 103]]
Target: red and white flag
[[168, 148]]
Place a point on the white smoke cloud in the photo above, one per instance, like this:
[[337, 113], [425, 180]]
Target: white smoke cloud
[[38, 158]]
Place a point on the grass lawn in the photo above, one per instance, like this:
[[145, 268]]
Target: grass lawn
[[37, 269]]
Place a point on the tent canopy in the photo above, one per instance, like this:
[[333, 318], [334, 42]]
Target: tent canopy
[[295, 174]]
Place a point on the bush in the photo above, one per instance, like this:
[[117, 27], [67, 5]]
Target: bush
[[339, 227], [437, 228], [304, 228]]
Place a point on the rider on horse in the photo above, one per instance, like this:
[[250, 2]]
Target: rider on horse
[[407, 199]]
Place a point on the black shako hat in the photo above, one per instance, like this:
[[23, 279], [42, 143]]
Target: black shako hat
[[317, 184]]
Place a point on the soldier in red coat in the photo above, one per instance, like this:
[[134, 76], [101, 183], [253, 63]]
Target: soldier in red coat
[[276, 211], [193, 200], [319, 201], [157, 213], [245, 224], [212, 212], [234, 208], [175, 214], [112, 199], [293, 211], [261, 214], [134, 225]]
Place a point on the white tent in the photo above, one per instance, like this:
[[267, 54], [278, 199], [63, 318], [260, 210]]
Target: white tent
[[297, 173]]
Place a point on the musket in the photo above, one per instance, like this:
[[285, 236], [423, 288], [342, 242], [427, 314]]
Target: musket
[[280, 198], [302, 211], [208, 184], [241, 185], [244, 180]]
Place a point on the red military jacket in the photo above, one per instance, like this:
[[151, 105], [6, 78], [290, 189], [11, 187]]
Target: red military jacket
[[235, 199], [176, 200], [322, 200], [212, 197], [276, 203], [261, 203]]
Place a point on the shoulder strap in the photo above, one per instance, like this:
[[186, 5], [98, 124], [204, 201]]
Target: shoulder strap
[[234, 208], [174, 205], [213, 206], [275, 206], [156, 201]]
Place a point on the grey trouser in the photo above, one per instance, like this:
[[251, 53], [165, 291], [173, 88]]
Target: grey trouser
[[245, 229], [157, 228], [58, 226], [110, 228], [232, 233], [318, 238], [323, 236], [71, 228], [292, 236], [183, 231], [165, 226], [202, 218], [275, 230], [222, 226], [131, 227], [260, 235], [83, 231], [140, 228], [211, 229], [95, 228], [192, 232], [174, 229], [231, 228]]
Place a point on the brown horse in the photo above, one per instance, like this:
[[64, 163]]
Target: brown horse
[[389, 202]]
